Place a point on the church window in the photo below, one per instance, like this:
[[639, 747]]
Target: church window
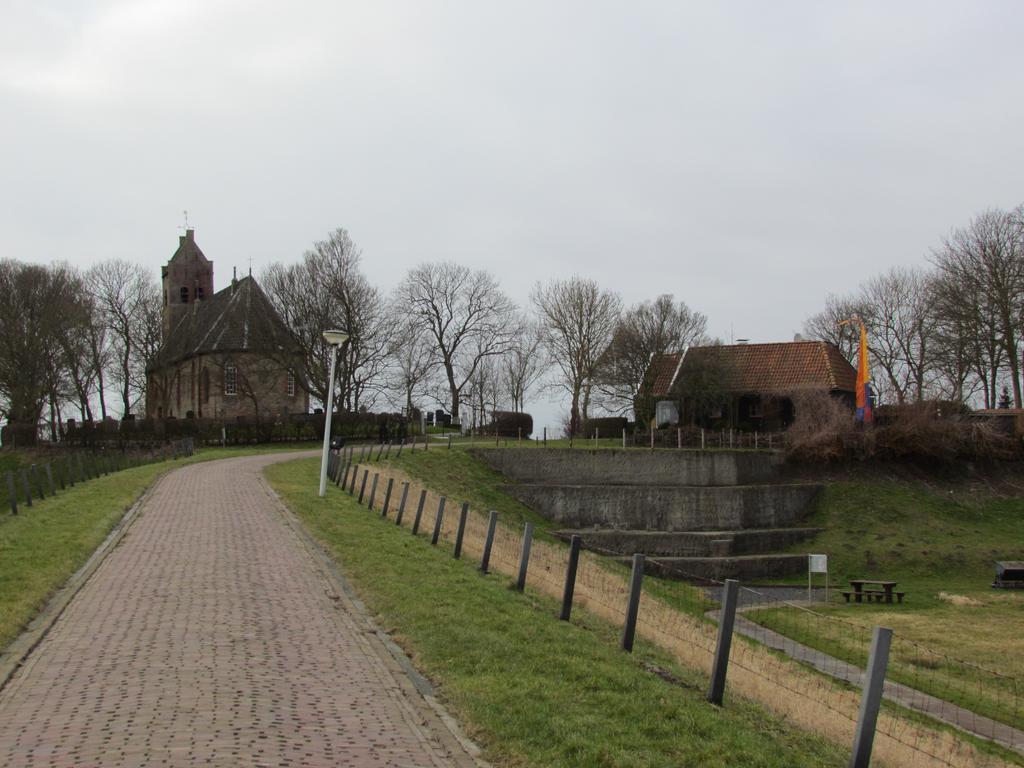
[[291, 384], [184, 294], [230, 379], [199, 292]]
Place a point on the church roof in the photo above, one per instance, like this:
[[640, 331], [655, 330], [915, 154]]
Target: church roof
[[239, 318]]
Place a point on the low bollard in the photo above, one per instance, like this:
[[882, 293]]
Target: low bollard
[[419, 511], [401, 503], [460, 532], [492, 525], [387, 497], [524, 557], [633, 606], [437, 521], [570, 577]]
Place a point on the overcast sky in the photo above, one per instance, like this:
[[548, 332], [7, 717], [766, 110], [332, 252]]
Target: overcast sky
[[748, 157]]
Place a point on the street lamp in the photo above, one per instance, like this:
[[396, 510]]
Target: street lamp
[[335, 339]]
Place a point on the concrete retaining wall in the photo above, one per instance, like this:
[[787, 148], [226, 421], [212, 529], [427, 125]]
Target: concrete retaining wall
[[669, 508], [576, 466], [690, 543]]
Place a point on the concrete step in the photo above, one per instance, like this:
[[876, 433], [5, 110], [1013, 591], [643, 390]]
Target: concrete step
[[742, 567], [576, 466], [669, 507], [690, 543]]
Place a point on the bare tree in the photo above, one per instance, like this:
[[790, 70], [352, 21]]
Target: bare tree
[[467, 316], [413, 362], [521, 366], [899, 311], [825, 325], [986, 260], [325, 290], [577, 320], [34, 319], [123, 293], [646, 330]]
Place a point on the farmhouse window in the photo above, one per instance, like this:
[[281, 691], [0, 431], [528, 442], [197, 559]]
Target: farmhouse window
[[230, 379], [754, 410]]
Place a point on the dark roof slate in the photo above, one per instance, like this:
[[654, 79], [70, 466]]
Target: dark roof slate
[[239, 318], [763, 368]]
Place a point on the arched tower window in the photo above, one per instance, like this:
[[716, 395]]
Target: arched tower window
[[230, 379], [184, 294]]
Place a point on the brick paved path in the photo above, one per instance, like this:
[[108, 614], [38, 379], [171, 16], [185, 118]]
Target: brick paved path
[[209, 636]]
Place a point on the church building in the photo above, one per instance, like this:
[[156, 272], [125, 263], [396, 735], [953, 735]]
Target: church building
[[223, 355]]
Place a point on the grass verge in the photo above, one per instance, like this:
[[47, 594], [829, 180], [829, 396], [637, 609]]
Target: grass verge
[[533, 690], [45, 544]]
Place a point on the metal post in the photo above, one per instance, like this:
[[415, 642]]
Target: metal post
[[726, 619], [623, 437], [11, 493], [387, 497], [652, 437], [28, 491], [871, 698], [570, 577], [524, 558], [633, 606], [373, 490], [437, 521], [401, 504], [463, 516], [419, 512], [679, 437], [492, 524], [545, 437], [362, 485], [702, 438], [327, 423]]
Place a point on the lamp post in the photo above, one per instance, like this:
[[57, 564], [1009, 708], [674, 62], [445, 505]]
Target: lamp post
[[335, 339]]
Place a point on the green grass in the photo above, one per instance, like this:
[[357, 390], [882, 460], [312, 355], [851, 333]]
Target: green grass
[[45, 544], [532, 690], [940, 548]]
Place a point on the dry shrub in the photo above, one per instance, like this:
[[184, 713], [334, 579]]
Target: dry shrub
[[824, 430], [958, 600], [823, 427]]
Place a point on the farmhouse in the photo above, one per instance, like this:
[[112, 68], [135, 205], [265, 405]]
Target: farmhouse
[[223, 354], [746, 386]]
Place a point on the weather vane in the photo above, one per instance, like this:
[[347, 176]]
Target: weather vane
[[185, 213]]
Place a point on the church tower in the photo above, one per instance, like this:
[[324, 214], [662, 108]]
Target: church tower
[[187, 278]]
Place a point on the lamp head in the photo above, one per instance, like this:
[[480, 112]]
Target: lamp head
[[335, 338]]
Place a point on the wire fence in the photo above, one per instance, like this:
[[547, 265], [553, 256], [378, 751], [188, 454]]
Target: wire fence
[[803, 665]]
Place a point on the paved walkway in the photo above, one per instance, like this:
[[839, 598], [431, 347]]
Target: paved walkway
[[211, 636]]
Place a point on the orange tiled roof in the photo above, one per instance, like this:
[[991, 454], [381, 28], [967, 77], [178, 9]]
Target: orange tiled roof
[[763, 368]]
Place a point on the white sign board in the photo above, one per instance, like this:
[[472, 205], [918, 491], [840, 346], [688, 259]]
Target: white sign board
[[817, 563]]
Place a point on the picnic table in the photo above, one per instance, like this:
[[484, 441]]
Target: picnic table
[[883, 591]]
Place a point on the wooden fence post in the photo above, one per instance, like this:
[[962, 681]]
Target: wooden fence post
[[726, 620], [49, 478], [570, 577], [438, 520], [871, 697], [633, 606], [373, 490], [12, 495], [419, 512], [463, 516], [524, 557], [387, 497], [401, 504], [492, 524], [28, 491], [362, 485]]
